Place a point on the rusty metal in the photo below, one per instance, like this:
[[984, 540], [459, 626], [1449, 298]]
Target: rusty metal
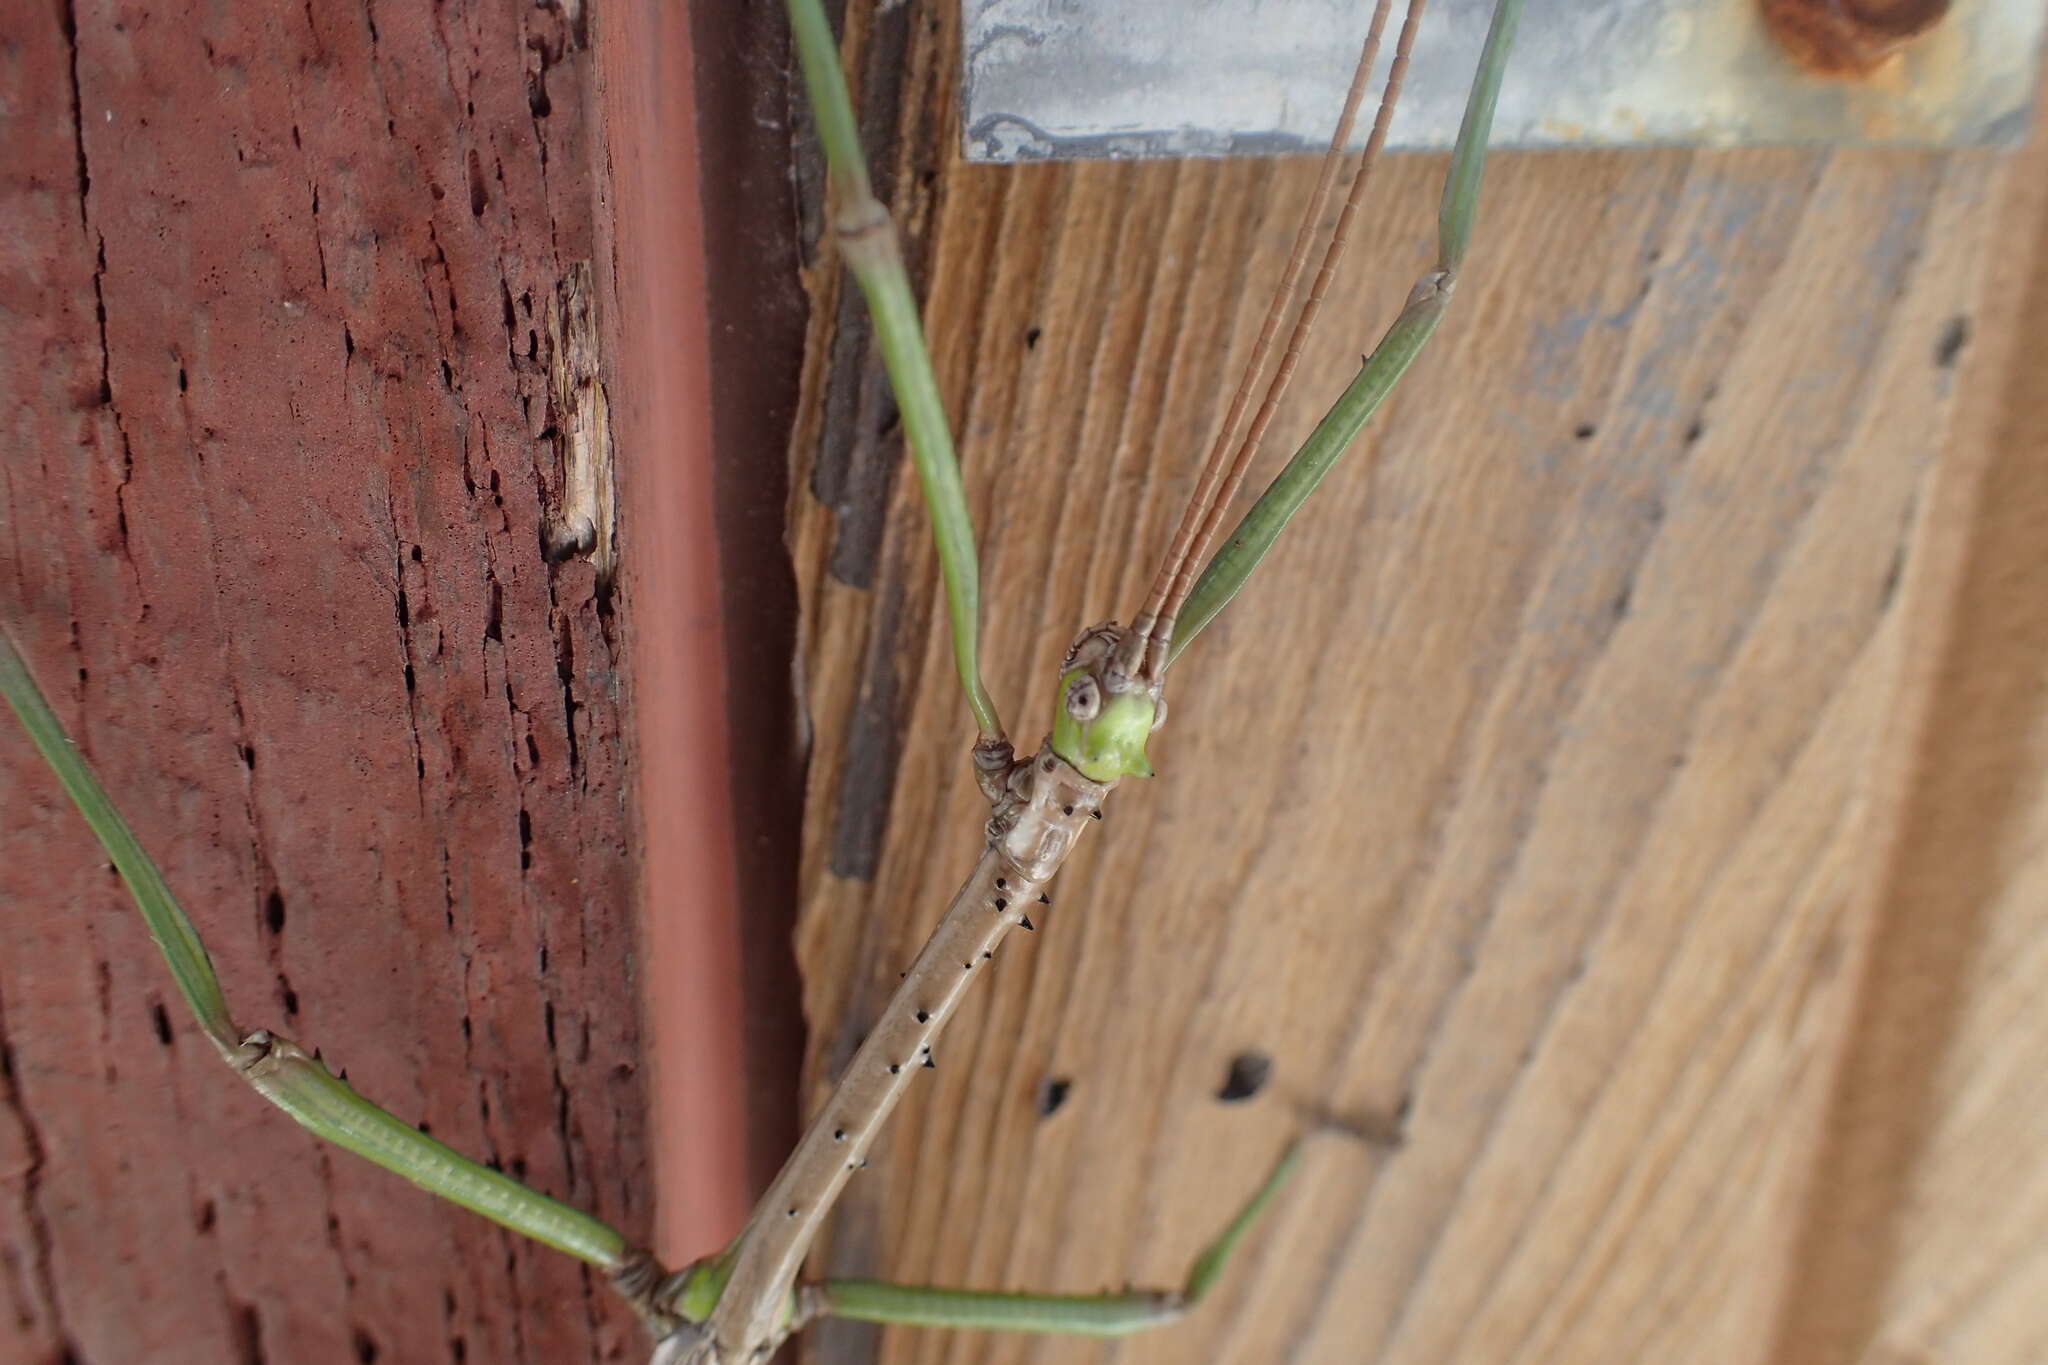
[[1849, 38]]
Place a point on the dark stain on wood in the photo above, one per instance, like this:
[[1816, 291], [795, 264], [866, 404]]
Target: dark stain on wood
[[860, 446], [867, 779]]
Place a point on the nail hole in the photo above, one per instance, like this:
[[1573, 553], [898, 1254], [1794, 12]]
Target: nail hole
[[1954, 337], [1052, 1093], [1249, 1072]]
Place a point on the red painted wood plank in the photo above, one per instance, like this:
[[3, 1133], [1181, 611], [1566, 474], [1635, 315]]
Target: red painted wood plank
[[275, 405]]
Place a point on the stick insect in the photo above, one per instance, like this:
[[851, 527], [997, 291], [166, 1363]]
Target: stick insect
[[741, 1304]]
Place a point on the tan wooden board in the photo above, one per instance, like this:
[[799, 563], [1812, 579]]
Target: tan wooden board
[[1527, 806], [1921, 1236]]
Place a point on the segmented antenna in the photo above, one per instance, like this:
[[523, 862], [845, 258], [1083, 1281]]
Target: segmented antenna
[[1146, 648]]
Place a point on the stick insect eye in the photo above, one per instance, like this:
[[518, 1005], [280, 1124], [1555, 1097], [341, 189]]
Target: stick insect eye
[[1084, 699]]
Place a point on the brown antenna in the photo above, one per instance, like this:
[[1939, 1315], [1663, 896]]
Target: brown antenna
[[1145, 649]]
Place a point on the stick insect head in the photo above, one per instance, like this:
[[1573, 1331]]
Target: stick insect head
[[1103, 715]]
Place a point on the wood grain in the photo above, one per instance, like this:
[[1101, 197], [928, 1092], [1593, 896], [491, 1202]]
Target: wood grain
[[1922, 1230], [273, 289], [1523, 806]]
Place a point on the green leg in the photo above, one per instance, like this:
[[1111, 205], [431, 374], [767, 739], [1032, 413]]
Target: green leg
[[1133, 1310], [867, 239], [278, 1068], [1228, 569]]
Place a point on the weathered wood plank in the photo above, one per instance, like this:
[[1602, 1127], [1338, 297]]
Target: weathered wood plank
[[275, 393], [1521, 807], [1921, 1233]]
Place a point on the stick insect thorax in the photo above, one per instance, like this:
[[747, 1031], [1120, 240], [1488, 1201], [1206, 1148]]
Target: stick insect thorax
[[1040, 809]]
